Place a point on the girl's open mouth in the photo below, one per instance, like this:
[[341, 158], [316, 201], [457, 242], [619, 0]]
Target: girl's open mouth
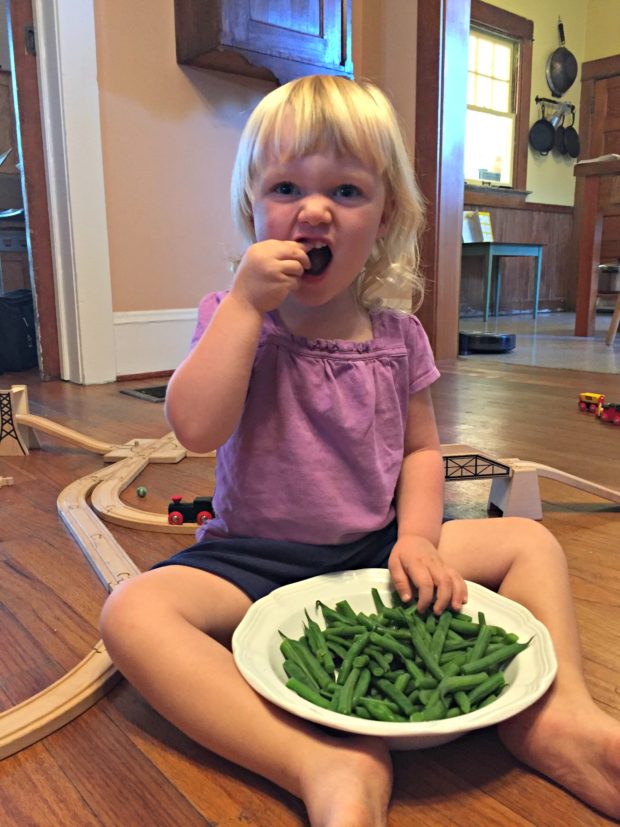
[[319, 260]]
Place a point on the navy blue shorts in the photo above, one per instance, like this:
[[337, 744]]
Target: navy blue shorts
[[258, 567]]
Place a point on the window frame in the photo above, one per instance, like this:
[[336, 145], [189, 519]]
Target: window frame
[[513, 26]]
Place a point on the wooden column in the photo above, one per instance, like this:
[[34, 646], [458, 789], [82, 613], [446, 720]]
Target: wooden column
[[441, 94]]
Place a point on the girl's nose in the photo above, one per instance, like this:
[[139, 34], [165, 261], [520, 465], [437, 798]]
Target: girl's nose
[[315, 209]]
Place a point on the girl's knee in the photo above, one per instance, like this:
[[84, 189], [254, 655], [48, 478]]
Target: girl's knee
[[532, 538], [122, 610]]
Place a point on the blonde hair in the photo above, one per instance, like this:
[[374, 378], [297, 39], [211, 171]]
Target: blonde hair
[[357, 119]]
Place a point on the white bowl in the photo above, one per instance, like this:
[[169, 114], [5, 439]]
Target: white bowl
[[256, 649]]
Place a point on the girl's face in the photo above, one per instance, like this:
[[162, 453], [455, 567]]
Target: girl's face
[[333, 205]]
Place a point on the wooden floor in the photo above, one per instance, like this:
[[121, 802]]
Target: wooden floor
[[121, 764]]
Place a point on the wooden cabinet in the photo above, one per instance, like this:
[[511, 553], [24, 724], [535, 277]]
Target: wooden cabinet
[[270, 39]]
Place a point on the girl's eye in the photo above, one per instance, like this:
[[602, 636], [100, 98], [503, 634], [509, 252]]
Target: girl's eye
[[348, 191], [285, 188]]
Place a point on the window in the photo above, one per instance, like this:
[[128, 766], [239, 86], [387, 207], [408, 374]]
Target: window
[[490, 123], [498, 94]]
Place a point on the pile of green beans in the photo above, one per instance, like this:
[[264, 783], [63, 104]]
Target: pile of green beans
[[397, 664]]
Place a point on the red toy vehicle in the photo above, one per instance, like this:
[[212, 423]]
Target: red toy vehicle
[[590, 401], [610, 413], [198, 511]]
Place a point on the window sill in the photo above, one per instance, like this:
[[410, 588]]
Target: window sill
[[494, 196]]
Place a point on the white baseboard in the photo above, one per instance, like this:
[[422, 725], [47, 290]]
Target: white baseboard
[[149, 341]]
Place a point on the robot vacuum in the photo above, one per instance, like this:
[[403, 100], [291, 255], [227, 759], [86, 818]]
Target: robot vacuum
[[486, 343]]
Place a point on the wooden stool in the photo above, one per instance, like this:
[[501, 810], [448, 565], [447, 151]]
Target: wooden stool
[[615, 322]]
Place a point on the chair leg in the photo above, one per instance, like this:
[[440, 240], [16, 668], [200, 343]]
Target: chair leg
[[613, 325]]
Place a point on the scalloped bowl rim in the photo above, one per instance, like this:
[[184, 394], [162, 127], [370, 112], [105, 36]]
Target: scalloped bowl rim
[[256, 650]]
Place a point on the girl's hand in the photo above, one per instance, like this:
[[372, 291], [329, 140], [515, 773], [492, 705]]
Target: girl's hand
[[268, 271], [414, 562]]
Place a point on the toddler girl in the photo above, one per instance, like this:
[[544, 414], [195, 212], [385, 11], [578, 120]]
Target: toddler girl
[[318, 402]]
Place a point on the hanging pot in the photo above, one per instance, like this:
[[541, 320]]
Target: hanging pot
[[561, 68], [571, 139], [542, 135]]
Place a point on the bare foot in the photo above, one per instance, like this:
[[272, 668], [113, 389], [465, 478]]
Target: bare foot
[[350, 785], [576, 745]]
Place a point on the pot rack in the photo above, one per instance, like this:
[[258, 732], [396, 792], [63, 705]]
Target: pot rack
[[556, 103]]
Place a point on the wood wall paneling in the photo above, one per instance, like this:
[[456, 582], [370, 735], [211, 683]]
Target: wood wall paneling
[[535, 224]]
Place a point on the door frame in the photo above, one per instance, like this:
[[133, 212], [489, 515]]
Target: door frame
[[441, 100]]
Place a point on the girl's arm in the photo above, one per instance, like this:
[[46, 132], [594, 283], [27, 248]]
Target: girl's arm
[[419, 511], [207, 392]]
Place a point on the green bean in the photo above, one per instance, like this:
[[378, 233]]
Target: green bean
[[343, 607], [294, 670], [423, 651], [463, 702], [391, 645], [498, 656], [307, 693], [457, 683], [356, 649], [345, 630], [337, 648], [318, 644], [402, 682], [434, 712], [377, 600], [491, 685], [395, 695], [380, 711], [345, 698], [330, 615], [478, 650], [439, 636], [362, 685], [311, 664]]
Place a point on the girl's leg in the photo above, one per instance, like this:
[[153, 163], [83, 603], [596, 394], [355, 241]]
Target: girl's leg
[[169, 630], [564, 735]]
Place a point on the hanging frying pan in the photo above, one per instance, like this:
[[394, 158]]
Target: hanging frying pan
[[571, 139], [542, 135], [561, 67]]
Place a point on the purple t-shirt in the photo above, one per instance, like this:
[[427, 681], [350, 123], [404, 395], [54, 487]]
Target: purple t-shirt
[[317, 452]]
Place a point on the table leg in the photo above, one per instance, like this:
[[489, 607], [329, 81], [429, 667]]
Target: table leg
[[537, 275], [498, 283], [488, 260]]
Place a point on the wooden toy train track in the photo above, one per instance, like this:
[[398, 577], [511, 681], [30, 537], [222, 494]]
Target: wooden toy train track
[[84, 503]]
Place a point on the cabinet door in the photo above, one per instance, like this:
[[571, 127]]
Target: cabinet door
[[277, 39], [305, 31]]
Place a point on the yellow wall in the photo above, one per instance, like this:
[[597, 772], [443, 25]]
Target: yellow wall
[[592, 31], [602, 29], [550, 178]]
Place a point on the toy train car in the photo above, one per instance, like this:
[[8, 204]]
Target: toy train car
[[590, 401], [609, 412], [199, 510]]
